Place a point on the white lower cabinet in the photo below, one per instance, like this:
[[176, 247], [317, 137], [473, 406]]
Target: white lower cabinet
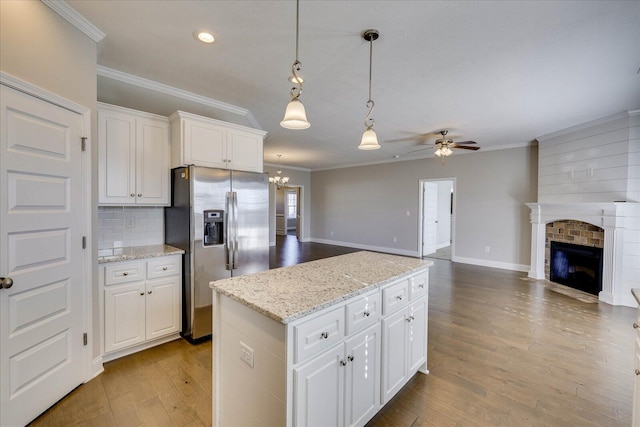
[[636, 384], [142, 302], [341, 387]]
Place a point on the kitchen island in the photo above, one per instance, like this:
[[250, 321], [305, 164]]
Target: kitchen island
[[327, 342]]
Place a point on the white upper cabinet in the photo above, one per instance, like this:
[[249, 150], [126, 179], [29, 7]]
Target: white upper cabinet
[[208, 142], [133, 157]]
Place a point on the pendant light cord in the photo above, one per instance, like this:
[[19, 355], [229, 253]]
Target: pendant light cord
[[297, 65], [368, 121]]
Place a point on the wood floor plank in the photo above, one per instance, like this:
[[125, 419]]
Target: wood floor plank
[[503, 351]]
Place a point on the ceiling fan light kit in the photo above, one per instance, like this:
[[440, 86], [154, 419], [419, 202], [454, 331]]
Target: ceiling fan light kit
[[369, 138], [295, 116]]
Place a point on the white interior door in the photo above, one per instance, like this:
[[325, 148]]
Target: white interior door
[[41, 223], [429, 217]]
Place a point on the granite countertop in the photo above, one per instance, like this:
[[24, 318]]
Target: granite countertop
[[636, 294], [138, 252], [289, 293]]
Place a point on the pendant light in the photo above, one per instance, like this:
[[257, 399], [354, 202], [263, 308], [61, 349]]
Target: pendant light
[[369, 138], [295, 117]]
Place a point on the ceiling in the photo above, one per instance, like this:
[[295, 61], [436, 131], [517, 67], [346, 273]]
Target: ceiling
[[500, 73]]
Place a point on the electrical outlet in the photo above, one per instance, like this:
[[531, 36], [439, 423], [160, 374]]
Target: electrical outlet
[[487, 249], [246, 354], [131, 222], [395, 240]]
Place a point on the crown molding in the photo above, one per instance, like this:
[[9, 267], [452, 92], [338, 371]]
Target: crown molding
[[134, 80], [77, 20]]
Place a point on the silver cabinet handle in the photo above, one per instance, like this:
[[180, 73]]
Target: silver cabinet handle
[[367, 313], [410, 319], [164, 268], [6, 282], [399, 297], [637, 371], [343, 363], [139, 194], [141, 294], [125, 273], [635, 325], [149, 292], [132, 195], [324, 335], [421, 286], [350, 358]]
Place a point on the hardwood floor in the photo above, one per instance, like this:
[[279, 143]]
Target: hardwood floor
[[503, 351]]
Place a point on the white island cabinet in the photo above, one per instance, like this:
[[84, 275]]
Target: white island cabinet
[[323, 343]]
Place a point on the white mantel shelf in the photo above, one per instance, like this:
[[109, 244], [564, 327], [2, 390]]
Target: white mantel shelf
[[621, 254]]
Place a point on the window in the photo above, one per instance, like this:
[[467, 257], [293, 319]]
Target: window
[[292, 204]]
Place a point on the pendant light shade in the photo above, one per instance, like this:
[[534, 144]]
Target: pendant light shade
[[295, 117], [369, 138]]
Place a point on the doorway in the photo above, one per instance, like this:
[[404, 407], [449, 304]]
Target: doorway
[[437, 213], [288, 212]]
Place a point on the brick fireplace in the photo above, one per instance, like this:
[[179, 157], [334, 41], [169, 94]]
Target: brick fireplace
[[570, 231]]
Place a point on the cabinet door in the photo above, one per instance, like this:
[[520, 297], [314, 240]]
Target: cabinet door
[[417, 335], [204, 145], [318, 392], [362, 394], [152, 162], [394, 354], [124, 316], [636, 387], [116, 158], [244, 151], [162, 307]]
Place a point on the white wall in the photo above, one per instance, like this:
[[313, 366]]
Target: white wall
[[598, 161], [443, 231], [367, 206], [43, 49]]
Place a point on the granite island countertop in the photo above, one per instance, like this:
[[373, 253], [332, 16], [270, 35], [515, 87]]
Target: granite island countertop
[[289, 293], [138, 252]]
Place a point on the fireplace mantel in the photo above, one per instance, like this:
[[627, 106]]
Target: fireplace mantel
[[616, 218]]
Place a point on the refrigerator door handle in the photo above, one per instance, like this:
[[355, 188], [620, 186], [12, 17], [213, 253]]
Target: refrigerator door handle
[[227, 229], [235, 231]]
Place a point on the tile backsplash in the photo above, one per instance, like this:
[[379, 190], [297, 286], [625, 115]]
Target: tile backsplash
[[124, 226]]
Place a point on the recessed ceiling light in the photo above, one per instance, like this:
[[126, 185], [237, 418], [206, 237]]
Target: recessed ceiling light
[[204, 36]]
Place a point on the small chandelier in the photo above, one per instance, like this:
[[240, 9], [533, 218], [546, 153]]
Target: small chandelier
[[295, 116], [369, 138], [279, 181]]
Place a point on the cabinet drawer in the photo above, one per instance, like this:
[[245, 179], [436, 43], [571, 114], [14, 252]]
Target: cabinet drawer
[[418, 286], [395, 296], [317, 334], [163, 266], [124, 273], [362, 312]]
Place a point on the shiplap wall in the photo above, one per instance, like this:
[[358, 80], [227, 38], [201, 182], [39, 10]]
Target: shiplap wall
[[597, 161]]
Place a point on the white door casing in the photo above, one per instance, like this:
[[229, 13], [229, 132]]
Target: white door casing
[[42, 219], [429, 218]]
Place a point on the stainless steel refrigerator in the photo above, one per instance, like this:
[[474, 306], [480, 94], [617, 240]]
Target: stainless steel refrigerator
[[220, 219]]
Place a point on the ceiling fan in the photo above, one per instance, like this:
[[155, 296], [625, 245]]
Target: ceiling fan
[[444, 145]]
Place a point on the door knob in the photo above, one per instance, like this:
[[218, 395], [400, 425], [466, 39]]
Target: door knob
[[6, 282]]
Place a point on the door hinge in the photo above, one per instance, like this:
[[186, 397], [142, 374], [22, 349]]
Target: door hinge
[[84, 143], [84, 242], [85, 338]]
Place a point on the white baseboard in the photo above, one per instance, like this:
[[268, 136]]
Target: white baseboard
[[96, 368], [493, 264], [130, 350], [395, 251]]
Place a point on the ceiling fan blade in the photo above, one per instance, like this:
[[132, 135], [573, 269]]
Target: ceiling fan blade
[[464, 147], [466, 142], [421, 149]]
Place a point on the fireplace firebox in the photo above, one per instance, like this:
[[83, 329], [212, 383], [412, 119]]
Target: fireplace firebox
[[577, 266]]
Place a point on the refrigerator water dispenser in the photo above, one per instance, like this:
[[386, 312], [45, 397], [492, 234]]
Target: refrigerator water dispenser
[[213, 227]]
